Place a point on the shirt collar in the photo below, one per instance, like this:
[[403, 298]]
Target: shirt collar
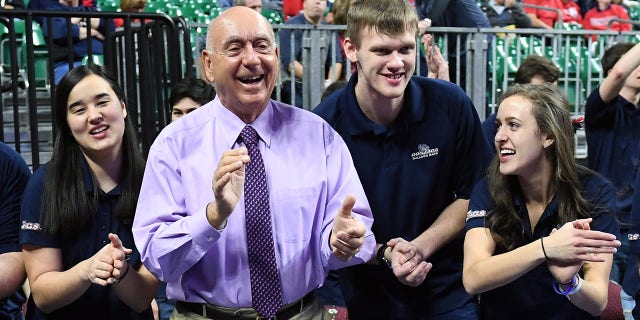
[[264, 124], [411, 112], [497, 7], [548, 215], [88, 180]]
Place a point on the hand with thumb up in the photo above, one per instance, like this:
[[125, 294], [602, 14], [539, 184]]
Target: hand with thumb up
[[347, 235]]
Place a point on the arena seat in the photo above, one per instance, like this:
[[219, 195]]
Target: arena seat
[[613, 310], [40, 54], [272, 16]]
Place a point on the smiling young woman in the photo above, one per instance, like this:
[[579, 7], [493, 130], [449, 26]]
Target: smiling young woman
[[539, 223], [76, 236]]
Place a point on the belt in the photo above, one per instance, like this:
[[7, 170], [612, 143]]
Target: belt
[[222, 313]]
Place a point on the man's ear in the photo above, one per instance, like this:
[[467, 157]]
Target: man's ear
[[350, 50], [206, 67]]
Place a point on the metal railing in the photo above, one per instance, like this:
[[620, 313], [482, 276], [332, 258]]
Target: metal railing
[[147, 56], [558, 23], [150, 55]]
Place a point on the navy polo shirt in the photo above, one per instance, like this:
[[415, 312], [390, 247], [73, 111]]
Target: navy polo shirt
[[631, 279], [14, 175], [490, 130], [613, 137], [432, 155], [531, 296], [97, 302]]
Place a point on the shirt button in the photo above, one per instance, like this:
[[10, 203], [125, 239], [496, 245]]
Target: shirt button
[[104, 227], [209, 238], [104, 241]]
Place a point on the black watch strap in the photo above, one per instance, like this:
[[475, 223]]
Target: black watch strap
[[380, 256]]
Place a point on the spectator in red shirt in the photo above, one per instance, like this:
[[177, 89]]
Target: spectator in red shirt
[[543, 18], [571, 12], [599, 17], [291, 8]]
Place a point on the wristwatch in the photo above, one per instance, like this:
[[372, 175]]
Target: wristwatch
[[380, 256]]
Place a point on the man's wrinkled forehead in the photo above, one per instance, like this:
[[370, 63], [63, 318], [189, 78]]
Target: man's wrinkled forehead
[[244, 38], [228, 30]]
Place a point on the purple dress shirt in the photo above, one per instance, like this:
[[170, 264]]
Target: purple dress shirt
[[309, 173]]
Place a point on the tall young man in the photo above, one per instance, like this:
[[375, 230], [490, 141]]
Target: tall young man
[[418, 148]]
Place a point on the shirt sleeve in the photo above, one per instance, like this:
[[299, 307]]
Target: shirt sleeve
[[13, 180], [529, 9], [601, 197], [166, 234], [59, 29], [599, 114], [106, 26], [342, 181], [480, 205], [30, 228], [634, 229]]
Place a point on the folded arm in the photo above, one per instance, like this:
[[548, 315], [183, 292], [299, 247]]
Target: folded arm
[[482, 271]]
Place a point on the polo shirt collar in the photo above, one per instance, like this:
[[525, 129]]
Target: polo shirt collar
[[88, 181], [412, 111], [544, 225]]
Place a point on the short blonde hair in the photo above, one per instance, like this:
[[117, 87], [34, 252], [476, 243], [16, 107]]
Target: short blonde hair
[[390, 18]]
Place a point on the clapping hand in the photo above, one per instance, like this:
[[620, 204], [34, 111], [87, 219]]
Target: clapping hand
[[438, 66], [228, 180], [120, 263], [574, 243], [107, 264], [409, 266]]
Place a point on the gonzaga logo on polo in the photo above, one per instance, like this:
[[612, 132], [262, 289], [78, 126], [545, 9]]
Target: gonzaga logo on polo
[[26, 225], [424, 152]]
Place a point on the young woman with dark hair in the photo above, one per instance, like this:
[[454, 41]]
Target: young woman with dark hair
[[77, 210]]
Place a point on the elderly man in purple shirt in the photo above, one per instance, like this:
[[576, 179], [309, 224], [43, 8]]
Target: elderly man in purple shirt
[[190, 220]]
